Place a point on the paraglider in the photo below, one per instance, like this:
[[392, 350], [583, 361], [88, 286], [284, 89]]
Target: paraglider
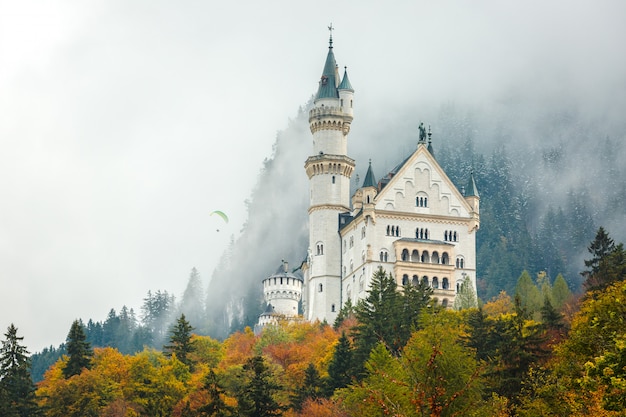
[[220, 214]]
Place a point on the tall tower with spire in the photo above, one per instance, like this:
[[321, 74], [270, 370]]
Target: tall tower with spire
[[329, 170]]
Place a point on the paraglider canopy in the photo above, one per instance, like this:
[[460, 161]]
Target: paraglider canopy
[[221, 214]]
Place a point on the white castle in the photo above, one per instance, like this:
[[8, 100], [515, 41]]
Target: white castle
[[413, 223]]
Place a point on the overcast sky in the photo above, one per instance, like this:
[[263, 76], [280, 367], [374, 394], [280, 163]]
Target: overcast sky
[[123, 124]]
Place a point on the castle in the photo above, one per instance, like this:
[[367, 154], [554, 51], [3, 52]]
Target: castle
[[413, 223]]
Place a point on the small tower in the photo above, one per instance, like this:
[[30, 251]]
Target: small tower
[[282, 292], [329, 170]]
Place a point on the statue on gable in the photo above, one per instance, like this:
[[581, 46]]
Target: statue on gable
[[422, 132]]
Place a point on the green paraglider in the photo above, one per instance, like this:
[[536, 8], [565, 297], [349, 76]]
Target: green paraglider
[[221, 214]]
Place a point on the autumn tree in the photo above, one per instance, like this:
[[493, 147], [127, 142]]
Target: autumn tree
[[181, 343], [311, 388], [17, 398], [215, 405], [78, 350], [560, 292]]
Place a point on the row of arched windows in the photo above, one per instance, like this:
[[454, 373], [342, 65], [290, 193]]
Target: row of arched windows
[[277, 281], [450, 236], [425, 257], [384, 256], [331, 168], [320, 248], [421, 201], [393, 230], [460, 263], [433, 283]]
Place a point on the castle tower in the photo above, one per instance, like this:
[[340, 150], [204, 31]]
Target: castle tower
[[329, 170], [282, 292]]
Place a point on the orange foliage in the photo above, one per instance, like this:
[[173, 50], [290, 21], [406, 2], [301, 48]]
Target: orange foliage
[[238, 348], [322, 408]]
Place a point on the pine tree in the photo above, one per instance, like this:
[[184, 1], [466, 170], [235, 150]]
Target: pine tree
[[600, 247], [180, 342], [215, 406], [550, 317], [192, 303], [78, 350], [256, 396], [560, 292], [17, 391], [311, 388], [341, 366]]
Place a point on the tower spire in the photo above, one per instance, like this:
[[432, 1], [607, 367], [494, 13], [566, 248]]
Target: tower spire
[[330, 41]]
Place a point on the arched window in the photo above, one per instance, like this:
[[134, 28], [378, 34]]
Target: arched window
[[397, 230], [425, 201], [415, 281], [435, 282], [435, 257], [332, 308], [333, 179], [405, 279], [281, 280], [388, 230], [321, 288], [405, 255], [455, 239], [425, 256], [415, 256], [445, 284], [445, 236], [367, 199], [425, 280], [444, 303], [445, 259]]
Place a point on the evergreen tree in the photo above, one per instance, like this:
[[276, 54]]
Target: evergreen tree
[[560, 292], [528, 293], [192, 303], [345, 312], [601, 246], [78, 350], [311, 388], [611, 268], [465, 297], [256, 396], [550, 317], [180, 342], [340, 368], [17, 392], [216, 406]]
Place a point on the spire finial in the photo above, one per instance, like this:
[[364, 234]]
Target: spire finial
[[429, 134], [330, 41]]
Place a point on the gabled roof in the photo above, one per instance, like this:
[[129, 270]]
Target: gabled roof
[[396, 173]]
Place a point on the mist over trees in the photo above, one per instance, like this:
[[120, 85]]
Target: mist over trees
[[547, 177]]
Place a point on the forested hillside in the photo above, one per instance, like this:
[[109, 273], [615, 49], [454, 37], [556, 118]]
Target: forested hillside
[[542, 352], [547, 179]]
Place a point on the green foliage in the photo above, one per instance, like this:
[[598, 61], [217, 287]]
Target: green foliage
[[17, 392], [466, 296], [215, 405], [387, 315], [345, 312], [528, 293], [78, 351], [560, 292], [341, 367], [256, 397], [311, 388], [181, 343]]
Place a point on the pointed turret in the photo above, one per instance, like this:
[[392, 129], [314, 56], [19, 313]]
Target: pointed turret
[[369, 180], [345, 81], [471, 190], [472, 197], [328, 82]]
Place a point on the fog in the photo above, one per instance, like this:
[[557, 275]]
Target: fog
[[123, 125]]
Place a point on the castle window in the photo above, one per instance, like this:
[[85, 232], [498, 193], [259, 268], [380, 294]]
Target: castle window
[[321, 288], [435, 258], [421, 201], [320, 248], [405, 279], [444, 303], [363, 232], [415, 256], [332, 308], [333, 179], [460, 263], [435, 282], [388, 230], [445, 284], [281, 280], [425, 281], [341, 102], [351, 241], [361, 283], [405, 255], [383, 256], [445, 259], [415, 281], [455, 238]]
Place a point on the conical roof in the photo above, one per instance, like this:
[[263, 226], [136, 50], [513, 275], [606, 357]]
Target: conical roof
[[369, 180], [345, 81], [471, 190], [328, 83]]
